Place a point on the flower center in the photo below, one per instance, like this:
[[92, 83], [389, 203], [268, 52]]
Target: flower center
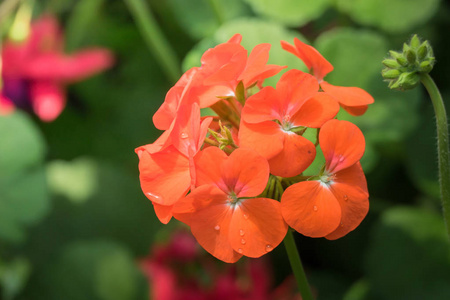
[[232, 198]]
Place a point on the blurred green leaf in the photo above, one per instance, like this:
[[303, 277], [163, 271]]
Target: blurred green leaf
[[198, 19], [82, 17], [77, 180], [358, 291], [94, 270], [290, 12], [393, 16], [23, 190], [13, 277], [22, 145], [409, 257]]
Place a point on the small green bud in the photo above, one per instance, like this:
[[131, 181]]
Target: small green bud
[[390, 74], [406, 47], [395, 54], [422, 51], [411, 56], [406, 81], [425, 66], [402, 61], [415, 42], [391, 63]]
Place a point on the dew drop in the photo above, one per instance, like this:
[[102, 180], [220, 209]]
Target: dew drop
[[345, 198], [217, 227], [184, 135], [243, 242], [315, 208], [269, 248], [240, 250], [153, 197], [241, 232], [246, 216], [341, 158]]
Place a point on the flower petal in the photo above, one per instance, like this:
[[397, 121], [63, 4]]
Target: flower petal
[[210, 225], [342, 144], [257, 226], [310, 56], [48, 100], [355, 110], [316, 111], [297, 154], [266, 138], [165, 175], [311, 208], [348, 96], [208, 164], [163, 212], [55, 66], [261, 106], [350, 189], [245, 173]]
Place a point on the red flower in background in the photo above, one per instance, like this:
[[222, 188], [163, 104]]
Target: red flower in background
[[179, 270], [353, 99], [35, 71], [335, 204]]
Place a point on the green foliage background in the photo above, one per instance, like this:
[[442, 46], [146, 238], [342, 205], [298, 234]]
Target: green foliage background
[[73, 221]]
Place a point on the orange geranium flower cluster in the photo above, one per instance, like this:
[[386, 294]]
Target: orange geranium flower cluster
[[235, 178]]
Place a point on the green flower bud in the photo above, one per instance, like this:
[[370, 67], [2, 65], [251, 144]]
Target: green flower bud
[[422, 51], [415, 42], [391, 63], [395, 54], [406, 81], [390, 74], [402, 61], [425, 66], [411, 56]]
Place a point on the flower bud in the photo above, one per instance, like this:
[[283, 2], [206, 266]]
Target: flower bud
[[403, 69]]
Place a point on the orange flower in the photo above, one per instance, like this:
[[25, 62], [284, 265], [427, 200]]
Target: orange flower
[[271, 117], [353, 99], [224, 213], [337, 202]]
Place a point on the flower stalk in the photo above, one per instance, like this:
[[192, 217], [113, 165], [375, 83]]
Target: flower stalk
[[443, 145]]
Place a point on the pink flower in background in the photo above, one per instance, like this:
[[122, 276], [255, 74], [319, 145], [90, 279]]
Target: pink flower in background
[[35, 71], [181, 270]]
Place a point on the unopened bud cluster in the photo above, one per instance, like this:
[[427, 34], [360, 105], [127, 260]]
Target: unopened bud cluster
[[403, 69]]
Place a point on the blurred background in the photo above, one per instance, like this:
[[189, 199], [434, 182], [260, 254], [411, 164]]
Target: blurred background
[[74, 223]]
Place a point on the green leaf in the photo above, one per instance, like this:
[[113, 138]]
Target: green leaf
[[13, 277], [23, 192], [93, 270], [409, 256], [290, 12], [22, 145], [394, 16], [82, 18], [77, 180], [197, 16]]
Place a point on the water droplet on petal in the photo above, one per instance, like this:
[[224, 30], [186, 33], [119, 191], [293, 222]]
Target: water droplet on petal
[[315, 208], [153, 197], [345, 198], [184, 135], [341, 158], [242, 241], [246, 216], [240, 250], [217, 227], [241, 232], [269, 248]]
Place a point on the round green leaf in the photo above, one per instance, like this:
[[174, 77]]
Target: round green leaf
[[409, 256], [393, 16], [290, 12]]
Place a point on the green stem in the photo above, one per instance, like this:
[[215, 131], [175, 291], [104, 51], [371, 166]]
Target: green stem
[[297, 267], [155, 39], [443, 146], [217, 10]]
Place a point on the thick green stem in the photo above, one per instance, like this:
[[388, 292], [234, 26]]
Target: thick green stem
[[155, 39], [443, 146], [297, 267]]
